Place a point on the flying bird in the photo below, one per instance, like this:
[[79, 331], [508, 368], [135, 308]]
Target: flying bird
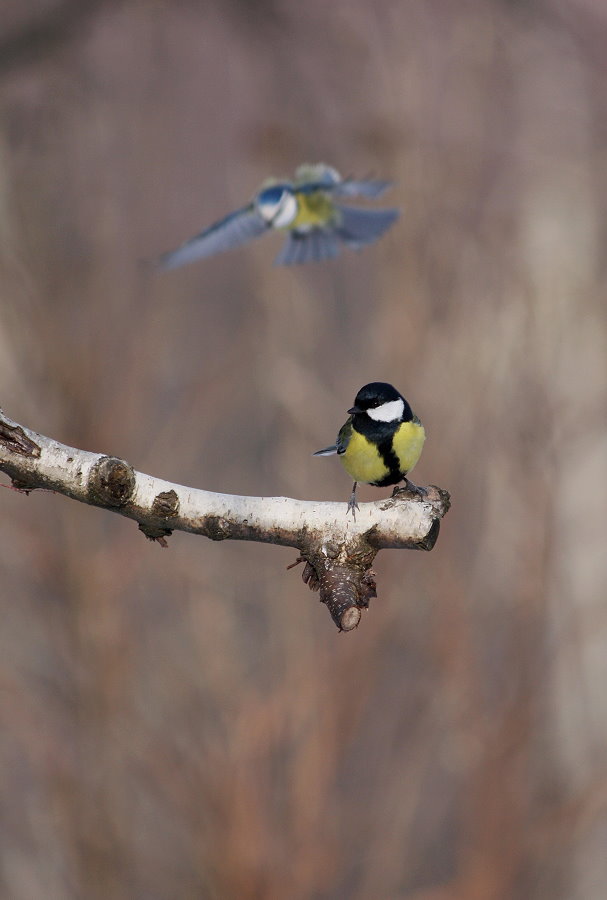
[[308, 210]]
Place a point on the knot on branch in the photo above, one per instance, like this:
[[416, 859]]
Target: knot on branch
[[112, 482], [345, 581], [217, 528], [165, 506]]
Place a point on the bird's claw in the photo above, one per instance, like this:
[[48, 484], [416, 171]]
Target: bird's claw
[[410, 488], [352, 506]]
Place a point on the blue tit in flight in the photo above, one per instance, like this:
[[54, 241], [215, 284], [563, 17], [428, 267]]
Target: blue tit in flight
[[307, 209], [380, 442]]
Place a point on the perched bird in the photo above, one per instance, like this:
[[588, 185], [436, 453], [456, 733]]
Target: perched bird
[[307, 209], [381, 441]]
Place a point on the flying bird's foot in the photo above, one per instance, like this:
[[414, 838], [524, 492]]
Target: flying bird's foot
[[409, 488]]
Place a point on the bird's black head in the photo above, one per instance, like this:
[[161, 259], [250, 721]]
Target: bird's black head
[[382, 403]]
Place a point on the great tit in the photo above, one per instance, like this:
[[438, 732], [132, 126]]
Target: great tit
[[307, 209], [381, 441]]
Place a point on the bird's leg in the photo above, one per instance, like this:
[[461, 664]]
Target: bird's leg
[[410, 488], [352, 504]]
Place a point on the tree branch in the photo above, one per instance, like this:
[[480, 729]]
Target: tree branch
[[338, 552]]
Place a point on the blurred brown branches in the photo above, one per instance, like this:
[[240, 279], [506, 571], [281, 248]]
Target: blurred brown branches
[[47, 31]]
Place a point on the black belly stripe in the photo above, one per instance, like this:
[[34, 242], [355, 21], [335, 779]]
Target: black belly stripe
[[391, 462]]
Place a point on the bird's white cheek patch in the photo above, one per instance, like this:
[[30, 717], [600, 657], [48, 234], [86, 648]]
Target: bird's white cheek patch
[[286, 212], [387, 412]]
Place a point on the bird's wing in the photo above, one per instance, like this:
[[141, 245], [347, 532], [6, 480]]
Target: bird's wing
[[319, 174], [350, 187], [347, 188], [237, 228], [343, 439], [357, 227], [309, 246]]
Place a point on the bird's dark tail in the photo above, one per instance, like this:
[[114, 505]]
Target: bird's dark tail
[[328, 451]]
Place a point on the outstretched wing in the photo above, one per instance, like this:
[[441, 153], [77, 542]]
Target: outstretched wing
[[321, 177], [236, 229], [357, 227], [308, 246], [350, 187]]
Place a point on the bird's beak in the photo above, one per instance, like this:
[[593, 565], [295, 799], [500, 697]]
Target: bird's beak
[[354, 411]]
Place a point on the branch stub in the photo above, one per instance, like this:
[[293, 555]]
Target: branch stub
[[112, 482]]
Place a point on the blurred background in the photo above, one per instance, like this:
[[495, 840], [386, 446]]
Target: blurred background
[[187, 723]]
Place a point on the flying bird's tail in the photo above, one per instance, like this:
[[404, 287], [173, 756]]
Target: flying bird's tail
[[358, 227], [308, 246]]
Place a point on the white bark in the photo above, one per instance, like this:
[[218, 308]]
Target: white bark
[[338, 549]]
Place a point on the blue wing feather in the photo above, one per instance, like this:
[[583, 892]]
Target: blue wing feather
[[350, 187], [236, 229], [358, 227]]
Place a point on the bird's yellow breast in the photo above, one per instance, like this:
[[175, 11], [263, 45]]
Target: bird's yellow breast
[[313, 209], [408, 443], [363, 461]]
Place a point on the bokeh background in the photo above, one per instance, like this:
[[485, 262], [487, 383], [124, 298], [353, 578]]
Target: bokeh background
[[187, 723]]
